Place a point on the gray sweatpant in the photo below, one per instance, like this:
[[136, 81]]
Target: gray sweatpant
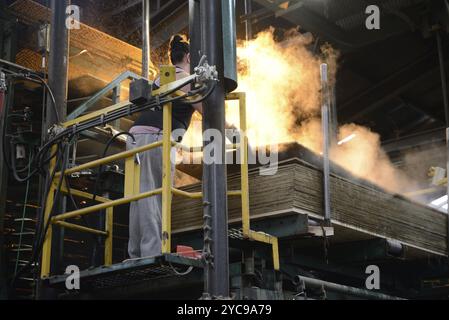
[[145, 216]]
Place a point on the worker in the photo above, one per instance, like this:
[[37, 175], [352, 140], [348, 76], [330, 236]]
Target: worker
[[145, 218]]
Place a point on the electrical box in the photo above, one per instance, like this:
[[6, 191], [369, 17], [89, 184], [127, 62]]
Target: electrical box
[[140, 91]]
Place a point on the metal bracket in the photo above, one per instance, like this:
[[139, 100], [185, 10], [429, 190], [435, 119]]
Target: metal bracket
[[2, 81], [55, 130], [205, 72]]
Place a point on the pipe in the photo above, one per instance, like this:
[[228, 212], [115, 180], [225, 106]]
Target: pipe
[[18, 67], [195, 34], [361, 293], [229, 45], [333, 116], [214, 175], [326, 143], [146, 38], [58, 82], [58, 62]]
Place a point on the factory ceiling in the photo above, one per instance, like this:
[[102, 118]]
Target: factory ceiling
[[388, 79]]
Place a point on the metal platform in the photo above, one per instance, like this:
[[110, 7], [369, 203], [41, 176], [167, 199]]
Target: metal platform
[[130, 272], [145, 274]]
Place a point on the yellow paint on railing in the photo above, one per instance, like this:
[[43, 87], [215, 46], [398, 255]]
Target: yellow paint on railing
[[168, 74]]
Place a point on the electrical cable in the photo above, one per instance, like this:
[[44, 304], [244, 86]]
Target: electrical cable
[[38, 79], [16, 173], [71, 133], [180, 274], [6, 116], [52, 96], [207, 95]]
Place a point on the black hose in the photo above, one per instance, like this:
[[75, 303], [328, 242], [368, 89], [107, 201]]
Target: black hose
[[207, 95], [39, 160], [72, 132], [15, 172], [36, 78]]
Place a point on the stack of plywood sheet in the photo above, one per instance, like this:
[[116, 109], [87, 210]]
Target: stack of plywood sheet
[[356, 204]]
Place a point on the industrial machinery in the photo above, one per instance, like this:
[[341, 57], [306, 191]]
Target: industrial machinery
[[308, 230]]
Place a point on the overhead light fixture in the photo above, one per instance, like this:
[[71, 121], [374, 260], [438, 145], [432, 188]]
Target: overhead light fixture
[[347, 139]]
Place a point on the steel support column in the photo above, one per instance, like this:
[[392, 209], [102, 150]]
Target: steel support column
[[326, 143], [57, 79], [446, 111], [214, 175], [145, 38], [195, 34], [58, 61]]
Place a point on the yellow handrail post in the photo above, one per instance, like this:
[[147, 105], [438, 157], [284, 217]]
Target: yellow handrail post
[[108, 245], [46, 248], [168, 74], [275, 248], [244, 166], [129, 177]]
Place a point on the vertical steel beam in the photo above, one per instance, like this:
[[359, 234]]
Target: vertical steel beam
[[58, 61], [446, 112], [326, 142], [229, 44], [214, 175], [58, 82], [145, 38], [195, 34]]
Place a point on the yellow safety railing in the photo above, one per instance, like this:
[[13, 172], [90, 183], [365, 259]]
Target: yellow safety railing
[[132, 190]]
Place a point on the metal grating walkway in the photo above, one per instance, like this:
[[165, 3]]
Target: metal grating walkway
[[131, 272]]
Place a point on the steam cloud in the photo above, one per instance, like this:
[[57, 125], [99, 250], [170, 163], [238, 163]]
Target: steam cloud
[[282, 83]]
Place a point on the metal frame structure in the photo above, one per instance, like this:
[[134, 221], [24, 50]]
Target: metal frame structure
[[132, 185], [113, 85]]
